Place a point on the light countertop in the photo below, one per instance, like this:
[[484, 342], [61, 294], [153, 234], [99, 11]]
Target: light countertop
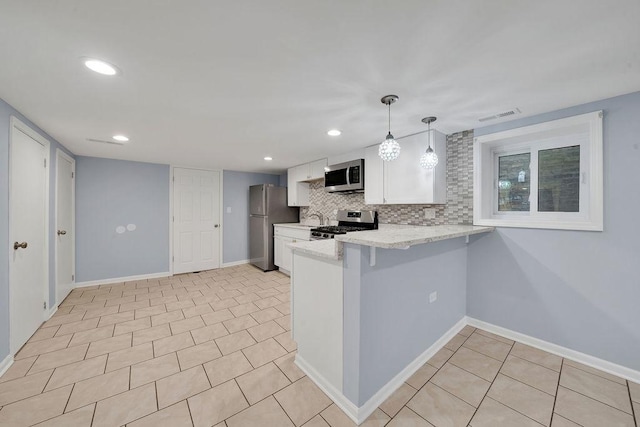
[[402, 236], [388, 236], [298, 225]]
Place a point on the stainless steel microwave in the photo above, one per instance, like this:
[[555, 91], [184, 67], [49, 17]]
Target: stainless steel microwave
[[345, 177]]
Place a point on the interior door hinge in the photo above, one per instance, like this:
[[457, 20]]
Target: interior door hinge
[[173, 178], [73, 277], [73, 174], [45, 163], [173, 259], [45, 305]]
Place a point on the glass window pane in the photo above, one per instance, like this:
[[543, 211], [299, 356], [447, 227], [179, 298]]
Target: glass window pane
[[513, 182], [559, 180]]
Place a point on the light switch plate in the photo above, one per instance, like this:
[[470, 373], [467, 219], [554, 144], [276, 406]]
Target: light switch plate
[[228, 209]]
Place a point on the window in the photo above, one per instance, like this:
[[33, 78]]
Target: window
[[547, 175]]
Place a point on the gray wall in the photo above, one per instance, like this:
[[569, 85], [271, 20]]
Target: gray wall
[[6, 111], [236, 223], [110, 193], [387, 309], [577, 289]]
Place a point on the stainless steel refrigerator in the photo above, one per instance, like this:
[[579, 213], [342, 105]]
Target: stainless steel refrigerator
[[267, 206]]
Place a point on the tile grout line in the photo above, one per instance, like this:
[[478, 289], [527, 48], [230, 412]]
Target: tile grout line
[[434, 374], [486, 394], [535, 363], [596, 375], [555, 398], [534, 387], [189, 409], [633, 409], [603, 403]]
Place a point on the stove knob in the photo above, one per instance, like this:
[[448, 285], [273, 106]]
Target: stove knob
[[326, 236], [332, 236]]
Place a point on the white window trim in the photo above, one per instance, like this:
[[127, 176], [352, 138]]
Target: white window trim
[[487, 147]]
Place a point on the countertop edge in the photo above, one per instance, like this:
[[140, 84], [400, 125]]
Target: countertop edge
[[404, 244], [333, 248], [328, 249]]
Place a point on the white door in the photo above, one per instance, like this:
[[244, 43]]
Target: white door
[[65, 251], [196, 220], [28, 217]]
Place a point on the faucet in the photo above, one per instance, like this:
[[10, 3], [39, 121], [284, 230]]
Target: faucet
[[318, 215]]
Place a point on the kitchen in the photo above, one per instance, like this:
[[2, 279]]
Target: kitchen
[[497, 288]]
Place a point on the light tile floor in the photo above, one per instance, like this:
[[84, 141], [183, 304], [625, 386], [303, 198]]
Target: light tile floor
[[214, 349]]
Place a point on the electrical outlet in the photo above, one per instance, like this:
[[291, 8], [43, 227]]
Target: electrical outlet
[[228, 209], [433, 296], [429, 213]]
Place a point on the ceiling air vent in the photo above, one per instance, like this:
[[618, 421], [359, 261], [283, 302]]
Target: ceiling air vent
[[512, 112], [102, 141]]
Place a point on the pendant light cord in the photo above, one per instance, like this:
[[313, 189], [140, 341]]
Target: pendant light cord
[[389, 105]]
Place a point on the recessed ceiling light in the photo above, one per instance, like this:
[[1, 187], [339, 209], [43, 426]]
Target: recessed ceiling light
[[120, 138], [268, 159], [334, 132], [100, 67]]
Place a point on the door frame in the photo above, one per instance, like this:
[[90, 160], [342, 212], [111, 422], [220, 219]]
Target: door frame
[[16, 125], [171, 214], [59, 154]]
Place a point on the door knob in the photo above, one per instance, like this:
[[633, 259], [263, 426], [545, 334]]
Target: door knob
[[62, 232], [17, 245], [216, 226]]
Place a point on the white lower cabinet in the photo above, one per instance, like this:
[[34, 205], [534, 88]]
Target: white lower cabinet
[[282, 236]]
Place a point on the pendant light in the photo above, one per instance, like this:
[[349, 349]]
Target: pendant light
[[429, 159], [389, 148]]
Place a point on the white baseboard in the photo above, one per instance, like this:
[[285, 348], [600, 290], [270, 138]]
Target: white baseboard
[[232, 263], [585, 359], [359, 414], [283, 271], [329, 389], [6, 364], [52, 311], [122, 279]]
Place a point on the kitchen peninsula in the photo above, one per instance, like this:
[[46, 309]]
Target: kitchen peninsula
[[370, 307]]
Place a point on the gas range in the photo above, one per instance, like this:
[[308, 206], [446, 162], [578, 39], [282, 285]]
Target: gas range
[[348, 221]]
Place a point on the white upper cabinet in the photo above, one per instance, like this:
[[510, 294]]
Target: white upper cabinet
[[316, 169], [373, 177], [297, 191], [404, 181], [297, 188]]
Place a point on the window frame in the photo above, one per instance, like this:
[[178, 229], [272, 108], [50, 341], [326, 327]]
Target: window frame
[[584, 130]]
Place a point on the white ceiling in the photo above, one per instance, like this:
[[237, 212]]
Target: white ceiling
[[221, 84]]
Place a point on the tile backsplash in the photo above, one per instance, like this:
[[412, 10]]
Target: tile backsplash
[[458, 210]]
